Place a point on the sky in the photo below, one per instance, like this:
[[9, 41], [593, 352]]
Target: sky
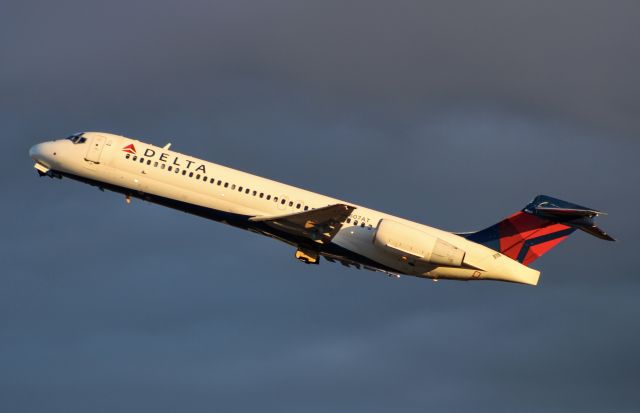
[[451, 113]]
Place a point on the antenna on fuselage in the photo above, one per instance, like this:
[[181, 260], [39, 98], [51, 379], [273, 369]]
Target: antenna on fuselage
[[167, 146]]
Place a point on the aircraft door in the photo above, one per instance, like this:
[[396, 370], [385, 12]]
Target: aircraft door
[[95, 149]]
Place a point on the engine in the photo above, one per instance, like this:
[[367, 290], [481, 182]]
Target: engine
[[410, 244]]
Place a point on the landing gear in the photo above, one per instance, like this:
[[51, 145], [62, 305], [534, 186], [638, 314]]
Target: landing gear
[[308, 256], [127, 199], [44, 171]]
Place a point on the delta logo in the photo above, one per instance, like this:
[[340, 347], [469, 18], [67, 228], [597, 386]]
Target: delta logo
[[129, 149], [175, 161]]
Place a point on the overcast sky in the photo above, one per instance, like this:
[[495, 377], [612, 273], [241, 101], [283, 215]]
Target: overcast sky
[[452, 113]]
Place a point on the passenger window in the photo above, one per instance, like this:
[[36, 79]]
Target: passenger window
[[275, 199], [254, 193], [306, 208], [141, 160], [169, 168], [149, 162], [226, 184], [177, 169], [261, 194], [197, 176], [362, 224], [134, 158], [204, 178], [298, 206], [348, 220], [190, 174], [247, 191], [284, 201], [239, 189], [268, 197], [219, 182], [290, 203], [155, 164], [355, 223], [184, 172], [128, 156], [212, 181], [233, 186], [162, 166]]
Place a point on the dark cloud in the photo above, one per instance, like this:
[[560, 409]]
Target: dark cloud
[[454, 114]]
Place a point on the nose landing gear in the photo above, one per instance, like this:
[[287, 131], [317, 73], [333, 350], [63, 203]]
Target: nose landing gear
[[44, 171]]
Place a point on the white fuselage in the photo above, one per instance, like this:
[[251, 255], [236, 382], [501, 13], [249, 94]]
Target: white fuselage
[[231, 196]]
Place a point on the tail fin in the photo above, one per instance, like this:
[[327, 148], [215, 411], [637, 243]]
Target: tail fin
[[529, 234]]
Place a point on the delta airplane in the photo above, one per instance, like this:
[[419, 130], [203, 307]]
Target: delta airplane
[[315, 225]]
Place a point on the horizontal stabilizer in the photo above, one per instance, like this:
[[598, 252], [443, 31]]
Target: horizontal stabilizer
[[566, 213]]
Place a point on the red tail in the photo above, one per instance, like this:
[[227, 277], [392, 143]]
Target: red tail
[[543, 224]]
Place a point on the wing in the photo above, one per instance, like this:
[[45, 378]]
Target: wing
[[319, 225]]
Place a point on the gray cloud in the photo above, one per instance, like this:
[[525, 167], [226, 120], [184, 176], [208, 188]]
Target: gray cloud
[[451, 113]]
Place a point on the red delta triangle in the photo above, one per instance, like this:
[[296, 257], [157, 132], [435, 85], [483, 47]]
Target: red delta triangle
[[130, 149]]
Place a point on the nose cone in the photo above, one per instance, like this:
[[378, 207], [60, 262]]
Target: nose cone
[[36, 152], [43, 153]]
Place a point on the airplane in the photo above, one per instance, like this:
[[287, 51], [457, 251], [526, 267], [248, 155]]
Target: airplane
[[314, 224]]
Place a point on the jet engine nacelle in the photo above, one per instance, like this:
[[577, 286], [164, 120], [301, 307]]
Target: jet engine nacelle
[[414, 245]]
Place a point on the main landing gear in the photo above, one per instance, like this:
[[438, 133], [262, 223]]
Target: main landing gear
[[308, 256]]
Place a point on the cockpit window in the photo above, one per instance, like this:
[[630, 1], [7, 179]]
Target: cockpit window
[[77, 138]]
